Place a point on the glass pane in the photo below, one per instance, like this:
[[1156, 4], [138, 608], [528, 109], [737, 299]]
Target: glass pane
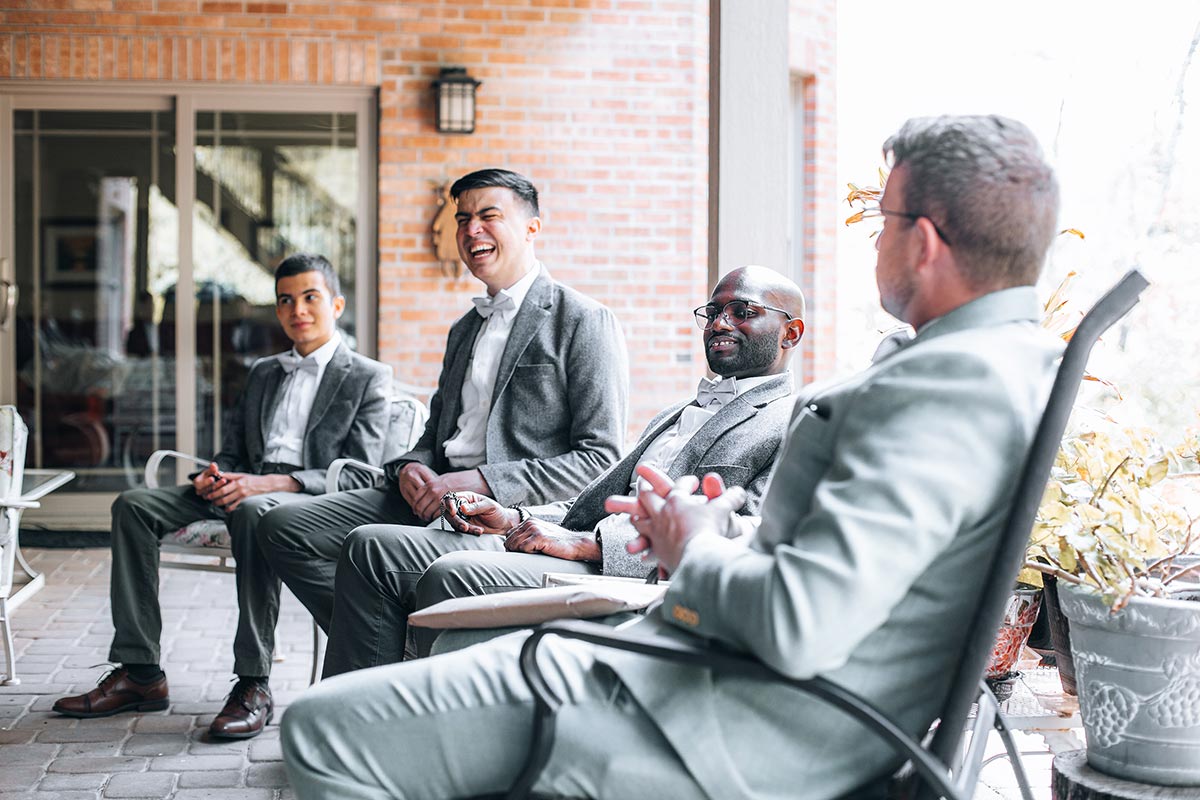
[[95, 256], [267, 186]]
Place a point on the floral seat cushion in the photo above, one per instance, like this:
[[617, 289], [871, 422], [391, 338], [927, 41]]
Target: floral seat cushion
[[201, 533]]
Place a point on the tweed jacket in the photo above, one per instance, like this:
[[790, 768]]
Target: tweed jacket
[[739, 443], [879, 520], [349, 419], [559, 406]]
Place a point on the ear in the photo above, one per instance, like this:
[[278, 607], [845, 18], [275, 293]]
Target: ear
[[792, 334], [933, 249], [532, 228], [339, 306]]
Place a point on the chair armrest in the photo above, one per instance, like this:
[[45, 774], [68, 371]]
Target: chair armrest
[[156, 458], [936, 774], [53, 479], [334, 472]]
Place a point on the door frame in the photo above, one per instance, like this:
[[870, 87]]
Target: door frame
[[89, 510]]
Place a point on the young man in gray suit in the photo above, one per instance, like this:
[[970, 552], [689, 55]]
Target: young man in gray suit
[[530, 405], [879, 519], [299, 411], [732, 427]]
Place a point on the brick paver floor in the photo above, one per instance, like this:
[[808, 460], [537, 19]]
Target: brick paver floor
[[64, 631]]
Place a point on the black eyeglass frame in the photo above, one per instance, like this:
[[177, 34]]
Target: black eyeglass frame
[[705, 322], [887, 212]]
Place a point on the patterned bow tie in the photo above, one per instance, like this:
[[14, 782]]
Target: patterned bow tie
[[715, 394], [486, 306], [292, 362]]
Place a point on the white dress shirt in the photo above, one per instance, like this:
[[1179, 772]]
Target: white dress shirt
[[285, 439], [467, 448]]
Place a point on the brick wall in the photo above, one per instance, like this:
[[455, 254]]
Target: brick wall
[[603, 103]]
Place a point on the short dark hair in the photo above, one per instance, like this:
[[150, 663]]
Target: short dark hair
[[503, 178], [983, 181], [299, 263]]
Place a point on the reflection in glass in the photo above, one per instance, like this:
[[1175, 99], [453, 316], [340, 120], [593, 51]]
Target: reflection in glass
[[267, 185], [95, 381]]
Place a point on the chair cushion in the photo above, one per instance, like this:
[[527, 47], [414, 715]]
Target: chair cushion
[[201, 533]]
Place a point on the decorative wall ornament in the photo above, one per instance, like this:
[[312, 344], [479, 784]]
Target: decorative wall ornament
[[445, 246]]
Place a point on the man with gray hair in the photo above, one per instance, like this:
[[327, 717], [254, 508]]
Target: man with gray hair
[[880, 518]]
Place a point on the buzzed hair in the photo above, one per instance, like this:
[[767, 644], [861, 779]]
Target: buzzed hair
[[984, 183], [505, 179], [299, 263]]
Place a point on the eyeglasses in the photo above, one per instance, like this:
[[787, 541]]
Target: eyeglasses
[[735, 312], [887, 212]]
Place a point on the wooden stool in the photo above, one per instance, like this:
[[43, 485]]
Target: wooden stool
[[1073, 779]]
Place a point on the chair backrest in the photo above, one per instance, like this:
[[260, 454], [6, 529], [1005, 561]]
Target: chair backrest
[[13, 436], [405, 425], [1031, 486]]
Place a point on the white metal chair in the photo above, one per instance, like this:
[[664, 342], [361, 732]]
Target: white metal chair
[[13, 476], [205, 545]]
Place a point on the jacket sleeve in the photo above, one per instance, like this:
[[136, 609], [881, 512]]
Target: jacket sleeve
[[233, 456], [598, 393], [366, 437]]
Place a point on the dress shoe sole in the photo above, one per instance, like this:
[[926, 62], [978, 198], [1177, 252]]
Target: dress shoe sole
[[246, 734], [150, 705]]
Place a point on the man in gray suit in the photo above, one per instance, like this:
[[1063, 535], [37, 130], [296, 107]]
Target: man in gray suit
[[879, 519], [732, 427], [530, 405], [299, 411]]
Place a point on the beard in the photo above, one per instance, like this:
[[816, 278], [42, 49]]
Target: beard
[[752, 357]]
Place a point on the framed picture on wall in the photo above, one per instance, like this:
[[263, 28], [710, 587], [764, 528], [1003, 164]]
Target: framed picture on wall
[[70, 251]]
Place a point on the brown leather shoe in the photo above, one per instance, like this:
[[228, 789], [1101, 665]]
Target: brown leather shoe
[[246, 712], [116, 693]]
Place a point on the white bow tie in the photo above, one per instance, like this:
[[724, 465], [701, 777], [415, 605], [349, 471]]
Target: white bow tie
[[486, 306], [715, 393], [292, 362]]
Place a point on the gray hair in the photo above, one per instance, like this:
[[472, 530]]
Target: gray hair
[[982, 180]]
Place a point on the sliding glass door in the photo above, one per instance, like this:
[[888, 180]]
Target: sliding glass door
[[124, 206]]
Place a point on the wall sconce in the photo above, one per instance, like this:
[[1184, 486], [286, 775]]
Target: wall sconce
[[456, 100]]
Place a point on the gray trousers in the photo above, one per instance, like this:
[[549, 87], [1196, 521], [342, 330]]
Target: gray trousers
[[302, 543], [458, 725], [387, 571], [140, 519]]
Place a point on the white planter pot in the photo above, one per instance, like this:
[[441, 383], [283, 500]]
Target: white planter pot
[[1138, 675]]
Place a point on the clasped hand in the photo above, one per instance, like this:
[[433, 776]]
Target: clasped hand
[[227, 490], [473, 513], [423, 488], [670, 514]]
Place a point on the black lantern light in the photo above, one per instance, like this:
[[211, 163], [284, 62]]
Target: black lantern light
[[455, 100]]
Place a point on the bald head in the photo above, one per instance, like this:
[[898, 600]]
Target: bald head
[[762, 340]]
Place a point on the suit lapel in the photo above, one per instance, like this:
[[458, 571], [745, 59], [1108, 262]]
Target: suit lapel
[[589, 506], [742, 408], [461, 347], [331, 382], [534, 312], [269, 398]]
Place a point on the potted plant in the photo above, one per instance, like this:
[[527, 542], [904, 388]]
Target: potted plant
[[1117, 549]]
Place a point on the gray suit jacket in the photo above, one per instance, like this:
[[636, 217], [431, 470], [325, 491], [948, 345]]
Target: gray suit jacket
[[559, 407], [739, 443], [879, 520], [349, 419]]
